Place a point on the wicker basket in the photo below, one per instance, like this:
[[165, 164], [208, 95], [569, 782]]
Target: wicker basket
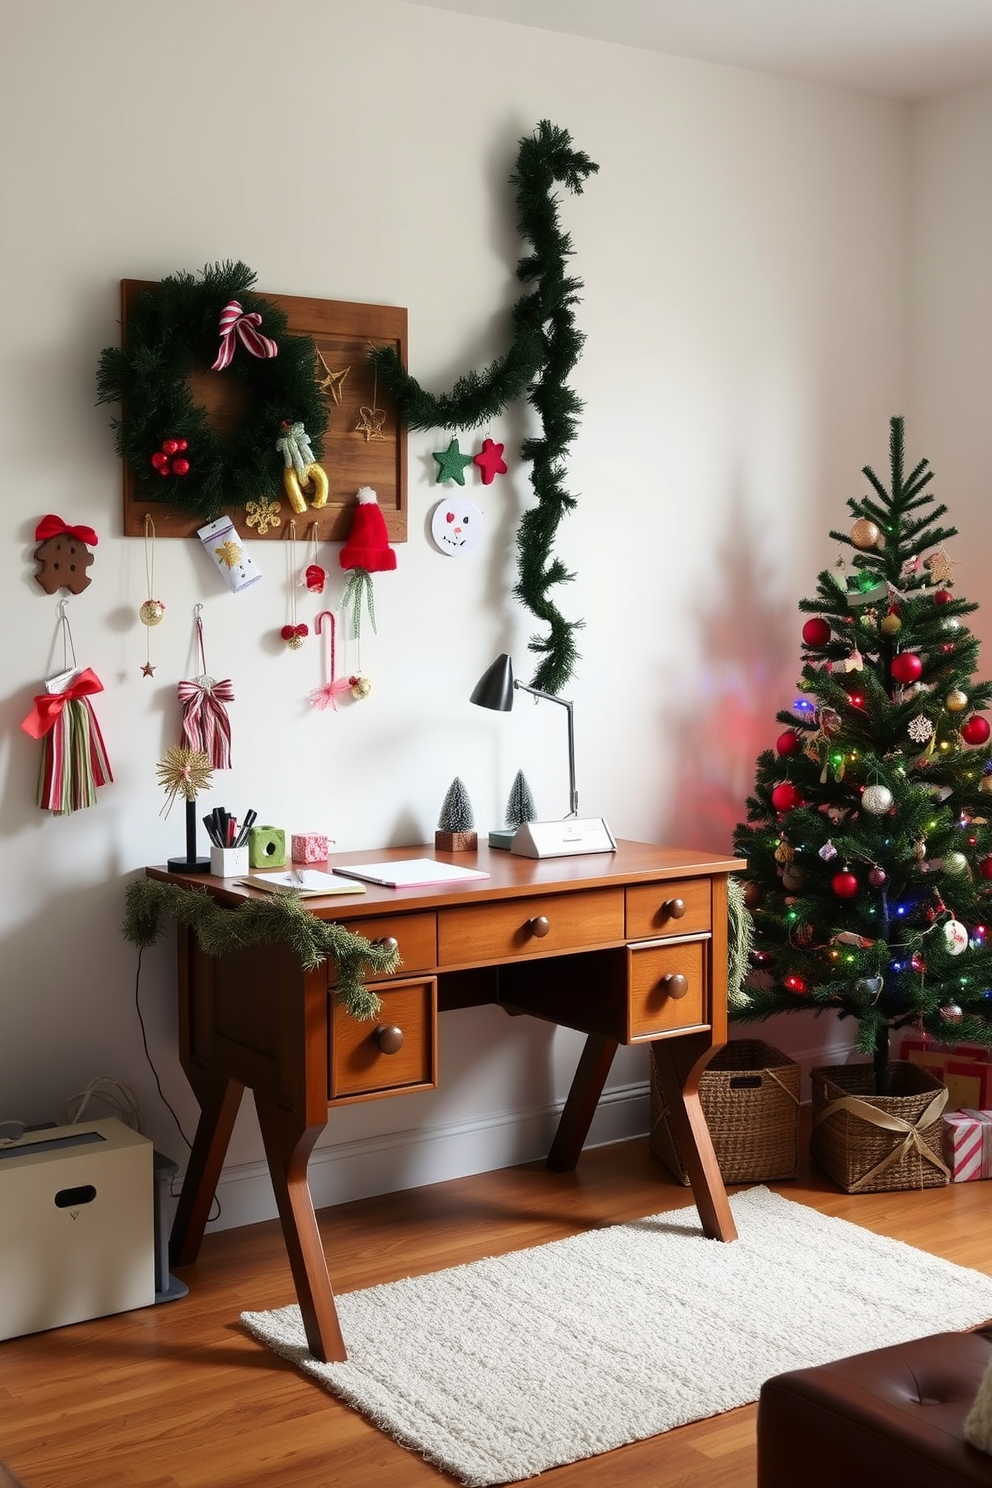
[[871, 1143], [749, 1093]]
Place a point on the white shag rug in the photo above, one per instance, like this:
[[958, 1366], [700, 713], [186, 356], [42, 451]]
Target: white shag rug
[[501, 1369]]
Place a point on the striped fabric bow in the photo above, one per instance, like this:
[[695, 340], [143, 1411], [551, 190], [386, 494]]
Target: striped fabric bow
[[206, 725], [234, 321]]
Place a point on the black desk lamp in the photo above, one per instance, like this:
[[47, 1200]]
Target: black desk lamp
[[495, 689]]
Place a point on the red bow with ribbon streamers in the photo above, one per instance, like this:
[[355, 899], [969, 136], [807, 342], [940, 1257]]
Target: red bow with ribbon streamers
[[74, 758], [52, 526], [206, 725], [234, 321]]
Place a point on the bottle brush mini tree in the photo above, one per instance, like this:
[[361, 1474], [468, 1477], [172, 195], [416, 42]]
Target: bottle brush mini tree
[[456, 821], [868, 838], [520, 806]]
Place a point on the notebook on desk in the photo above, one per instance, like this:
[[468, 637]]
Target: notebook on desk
[[309, 883], [409, 873]]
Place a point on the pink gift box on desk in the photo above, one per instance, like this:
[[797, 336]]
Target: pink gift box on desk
[[968, 1144], [309, 847]]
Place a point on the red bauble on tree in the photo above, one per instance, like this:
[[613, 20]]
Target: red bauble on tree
[[985, 867], [816, 632], [943, 596], [786, 796], [975, 730], [788, 743], [906, 667], [844, 884]]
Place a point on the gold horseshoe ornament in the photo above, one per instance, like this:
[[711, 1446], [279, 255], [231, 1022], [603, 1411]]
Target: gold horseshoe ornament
[[297, 490]]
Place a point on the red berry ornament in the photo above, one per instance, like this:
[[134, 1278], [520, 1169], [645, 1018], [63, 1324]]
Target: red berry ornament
[[975, 730], [785, 796], [844, 884], [160, 461], [788, 743], [180, 466], [170, 446], [816, 632], [907, 667]]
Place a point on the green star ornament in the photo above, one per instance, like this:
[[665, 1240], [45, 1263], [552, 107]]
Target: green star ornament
[[451, 464]]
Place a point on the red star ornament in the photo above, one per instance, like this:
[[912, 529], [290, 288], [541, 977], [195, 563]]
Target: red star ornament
[[490, 461]]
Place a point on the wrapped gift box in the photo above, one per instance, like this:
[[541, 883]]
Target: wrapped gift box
[[966, 1070], [968, 1145]]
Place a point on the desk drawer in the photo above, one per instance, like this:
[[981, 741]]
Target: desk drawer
[[415, 934], [537, 925], [364, 1059], [656, 976], [654, 909]]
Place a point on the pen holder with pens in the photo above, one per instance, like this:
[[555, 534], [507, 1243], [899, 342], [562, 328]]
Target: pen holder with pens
[[228, 862], [267, 847]]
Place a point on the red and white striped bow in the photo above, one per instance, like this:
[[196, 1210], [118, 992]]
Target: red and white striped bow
[[235, 322], [206, 725]]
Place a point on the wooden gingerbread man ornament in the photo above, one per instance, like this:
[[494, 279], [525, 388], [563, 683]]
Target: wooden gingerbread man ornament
[[63, 554]]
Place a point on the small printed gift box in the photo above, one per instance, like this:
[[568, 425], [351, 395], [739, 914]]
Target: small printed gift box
[[309, 847], [968, 1144]]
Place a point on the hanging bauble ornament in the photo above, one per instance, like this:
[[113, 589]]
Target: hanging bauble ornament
[[877, 877], [955, 862], [753, 894], [985, 784], [917, 962], [294, 635], [794, 983], [868, 986], [762, 958], [788, 743], [360, 686], [786, 796], [816, 632], [985, 868], [951, 1013], [784, 853], [151, 612], [793, 877], [956, 701], [975, 730], [864, 534], [906, 667], [876, 799], [890, 624], [943, 596], [955, 937], [844, 884]]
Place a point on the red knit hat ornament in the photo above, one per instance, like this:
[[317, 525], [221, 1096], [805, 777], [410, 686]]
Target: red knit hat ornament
[[366, 552]]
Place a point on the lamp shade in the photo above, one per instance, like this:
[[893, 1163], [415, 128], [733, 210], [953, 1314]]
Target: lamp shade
[[494, 688]]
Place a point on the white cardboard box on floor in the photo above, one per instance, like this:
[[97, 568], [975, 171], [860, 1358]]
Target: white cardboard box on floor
[[76, 1225]]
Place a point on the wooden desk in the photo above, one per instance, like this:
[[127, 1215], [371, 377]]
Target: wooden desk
[[628, 947]]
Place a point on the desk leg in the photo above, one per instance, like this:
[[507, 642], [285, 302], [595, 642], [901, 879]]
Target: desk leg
[[583, 1098], [219, 1100], [680, 1063], [288, 1152]]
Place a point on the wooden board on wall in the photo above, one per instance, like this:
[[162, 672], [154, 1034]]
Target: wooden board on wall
[[343, 333]]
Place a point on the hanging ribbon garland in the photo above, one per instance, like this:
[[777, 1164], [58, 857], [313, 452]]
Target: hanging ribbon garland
[[74, 758], [206, 725]]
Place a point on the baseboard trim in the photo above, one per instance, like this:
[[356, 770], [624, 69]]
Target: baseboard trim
[[344, 1171]]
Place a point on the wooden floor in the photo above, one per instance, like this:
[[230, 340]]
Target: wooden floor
[[176, 1396]]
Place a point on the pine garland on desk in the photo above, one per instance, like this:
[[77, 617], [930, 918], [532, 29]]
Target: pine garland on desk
[[546, 346], [260, 922]]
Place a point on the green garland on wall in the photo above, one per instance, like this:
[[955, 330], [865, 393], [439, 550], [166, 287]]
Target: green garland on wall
[[173, 330], [260, 922], [546, 346]]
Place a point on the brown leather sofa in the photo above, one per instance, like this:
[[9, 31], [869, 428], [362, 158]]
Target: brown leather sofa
[[892, 1416]]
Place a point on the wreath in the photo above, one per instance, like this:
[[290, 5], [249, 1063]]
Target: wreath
[[166, 438]]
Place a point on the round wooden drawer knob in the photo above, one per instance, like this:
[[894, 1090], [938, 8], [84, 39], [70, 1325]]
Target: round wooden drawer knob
[[674, 908], [387, 943], [674, 984], [389, 1038], [540, 926]]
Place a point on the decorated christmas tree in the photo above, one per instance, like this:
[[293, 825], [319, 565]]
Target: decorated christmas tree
[[868, 839]]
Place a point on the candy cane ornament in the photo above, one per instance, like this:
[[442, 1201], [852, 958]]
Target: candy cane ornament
[[327, 696]]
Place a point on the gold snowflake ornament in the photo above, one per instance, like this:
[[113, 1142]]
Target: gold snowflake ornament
[[263, 515], [941, 567], [183, 772]]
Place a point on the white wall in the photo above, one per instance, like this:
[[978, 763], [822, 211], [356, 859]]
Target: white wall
[[744, 252]]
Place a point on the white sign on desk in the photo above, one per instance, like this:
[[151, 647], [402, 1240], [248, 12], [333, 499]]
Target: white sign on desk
[[559, 839]]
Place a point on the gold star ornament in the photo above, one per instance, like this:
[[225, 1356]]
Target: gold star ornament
[[370, 422], [941, 567], [332, 383]]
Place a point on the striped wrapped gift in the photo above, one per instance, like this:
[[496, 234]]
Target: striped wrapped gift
[[968, 1144]]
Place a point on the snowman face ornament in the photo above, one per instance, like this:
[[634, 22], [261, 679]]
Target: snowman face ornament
[[456, 526]]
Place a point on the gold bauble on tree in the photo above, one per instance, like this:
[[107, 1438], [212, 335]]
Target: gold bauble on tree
[[864, 534], [956, 700]]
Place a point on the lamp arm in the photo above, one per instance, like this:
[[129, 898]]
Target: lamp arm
[[573, 795]]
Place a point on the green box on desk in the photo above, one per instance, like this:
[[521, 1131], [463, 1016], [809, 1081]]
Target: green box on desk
[[267, 847]]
